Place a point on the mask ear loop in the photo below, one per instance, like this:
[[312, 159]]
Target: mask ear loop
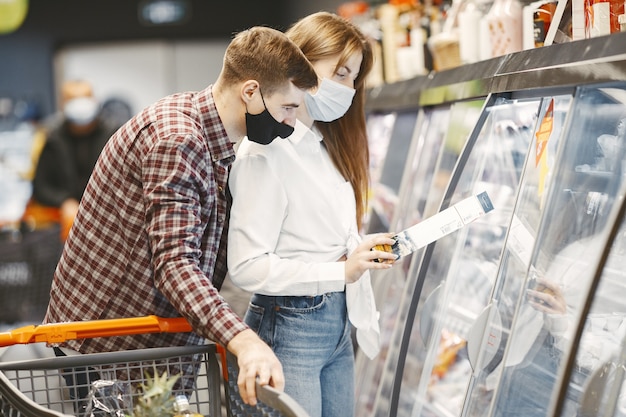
[[262, 100]]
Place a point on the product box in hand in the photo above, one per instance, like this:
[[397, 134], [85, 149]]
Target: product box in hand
[[439, 225]]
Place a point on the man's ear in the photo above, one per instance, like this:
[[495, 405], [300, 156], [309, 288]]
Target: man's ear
[[248, 90]]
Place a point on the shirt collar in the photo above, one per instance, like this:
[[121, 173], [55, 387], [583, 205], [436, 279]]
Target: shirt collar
[[303, 136], [219, 144]]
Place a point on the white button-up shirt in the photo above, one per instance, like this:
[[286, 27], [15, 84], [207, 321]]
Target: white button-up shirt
[[293, 217]]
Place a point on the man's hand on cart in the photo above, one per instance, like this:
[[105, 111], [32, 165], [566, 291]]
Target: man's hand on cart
[[256, 361]]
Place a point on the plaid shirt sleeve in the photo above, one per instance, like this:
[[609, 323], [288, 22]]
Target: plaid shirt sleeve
[[185, 219]]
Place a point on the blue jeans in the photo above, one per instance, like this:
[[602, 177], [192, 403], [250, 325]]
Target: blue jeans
[[311, 338], [527, 388]]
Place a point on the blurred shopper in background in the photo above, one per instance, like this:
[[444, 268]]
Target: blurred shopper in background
[[149, 236], [72, 146], [297, 208]]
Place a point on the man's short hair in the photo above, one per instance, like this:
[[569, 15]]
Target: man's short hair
[[268, 56]]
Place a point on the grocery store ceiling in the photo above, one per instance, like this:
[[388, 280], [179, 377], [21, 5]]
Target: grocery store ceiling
[[94, 20], [27, 53]]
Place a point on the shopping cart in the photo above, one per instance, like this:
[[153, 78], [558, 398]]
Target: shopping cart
[[27, 263], [71, 385]]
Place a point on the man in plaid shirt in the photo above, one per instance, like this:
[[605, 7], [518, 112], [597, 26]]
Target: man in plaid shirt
[[150, 233]]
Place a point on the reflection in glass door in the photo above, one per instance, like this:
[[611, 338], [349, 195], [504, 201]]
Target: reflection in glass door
[[573, 230], [592, 377], [601, 349]]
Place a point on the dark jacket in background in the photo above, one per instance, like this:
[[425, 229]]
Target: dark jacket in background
[[66, 163]]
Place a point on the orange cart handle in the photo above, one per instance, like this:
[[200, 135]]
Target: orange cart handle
[[60, 332]]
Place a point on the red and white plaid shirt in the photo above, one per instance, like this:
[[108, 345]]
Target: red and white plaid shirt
[[147, 236]]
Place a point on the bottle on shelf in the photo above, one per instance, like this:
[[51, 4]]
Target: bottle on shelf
[[183, 408], [410, 57], [472, 34], [616, 9], [603, 17], [504, 21], [537, 17], [600, 18], [388, 17], [444, 44]]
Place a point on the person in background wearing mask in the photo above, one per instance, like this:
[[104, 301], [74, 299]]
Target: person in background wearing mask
[[294, 238], [72, 147], [149, 235]]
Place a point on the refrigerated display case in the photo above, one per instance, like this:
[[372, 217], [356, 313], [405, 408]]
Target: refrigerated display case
[[459, 273], [435, 148], [452, 316]]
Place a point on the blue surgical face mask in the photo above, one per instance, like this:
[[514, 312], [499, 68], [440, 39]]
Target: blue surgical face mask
[[331, 101], [263, 128]]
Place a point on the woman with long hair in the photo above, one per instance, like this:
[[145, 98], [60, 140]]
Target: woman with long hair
[[294, 242]]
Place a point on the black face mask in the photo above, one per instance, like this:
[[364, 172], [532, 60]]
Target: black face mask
[[263, 128]]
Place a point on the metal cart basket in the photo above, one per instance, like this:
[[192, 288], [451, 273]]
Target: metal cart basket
[[71, 385]]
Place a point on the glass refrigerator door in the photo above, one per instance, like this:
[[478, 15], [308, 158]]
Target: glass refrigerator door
[[582, 193], [437, 147], [459, 271], [601, 349], [593, 372], [424, 186], [489, 333], [386, 185], [379, 131], [368, 371], [390, 137], [426, 173]]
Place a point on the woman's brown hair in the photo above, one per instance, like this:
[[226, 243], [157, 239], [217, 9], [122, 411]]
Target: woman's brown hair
[[322, 35]]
